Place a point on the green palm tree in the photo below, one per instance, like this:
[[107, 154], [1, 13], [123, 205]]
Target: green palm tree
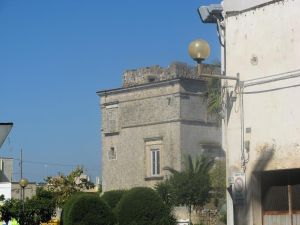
[[214, 96], [191, 186]]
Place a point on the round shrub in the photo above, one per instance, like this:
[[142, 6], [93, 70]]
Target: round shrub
[[112, 198], [87, 209], [66, 208], [142, 206]]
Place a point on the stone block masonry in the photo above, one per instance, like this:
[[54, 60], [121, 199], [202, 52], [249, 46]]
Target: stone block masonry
[[157, 73]]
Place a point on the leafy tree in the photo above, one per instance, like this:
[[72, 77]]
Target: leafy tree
[[165, 192], [43, 205], [7, 210], [38, 209], [214, 96], [13, 208], [214, 93], [218, 182], [191, 185], [65, 186]]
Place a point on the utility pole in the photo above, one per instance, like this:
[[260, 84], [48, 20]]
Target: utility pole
[[21, 172], [21, 164], [23, 183]]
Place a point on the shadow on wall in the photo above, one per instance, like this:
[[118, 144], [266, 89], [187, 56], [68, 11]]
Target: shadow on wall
[[253, 194]]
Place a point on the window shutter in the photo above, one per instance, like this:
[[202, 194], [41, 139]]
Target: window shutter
[[111, 120]]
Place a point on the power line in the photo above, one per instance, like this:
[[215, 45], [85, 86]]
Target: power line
[[294, 75], [54, 164], [274, 75], [270, 90], [47, 163]]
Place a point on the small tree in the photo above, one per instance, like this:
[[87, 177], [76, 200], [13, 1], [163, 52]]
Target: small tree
[[214, 93], [36, 210], [214, 96], [43, 205], [165, 191], [191, 186], [7, 210], [218, 183], [65, 186], [13, 208]]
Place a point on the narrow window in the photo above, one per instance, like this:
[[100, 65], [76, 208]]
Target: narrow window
[[153, 158], [112, 154], [155, 162], [111, 119]]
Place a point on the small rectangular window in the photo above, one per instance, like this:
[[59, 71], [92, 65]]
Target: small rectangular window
[[155, 162], [154, 158], [112, 154], [111, 119]]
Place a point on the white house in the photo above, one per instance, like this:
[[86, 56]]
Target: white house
[[261, 126]]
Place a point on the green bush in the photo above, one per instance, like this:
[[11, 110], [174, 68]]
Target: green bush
[[66, 208], [87, 209], [142, 206], [112, 198]]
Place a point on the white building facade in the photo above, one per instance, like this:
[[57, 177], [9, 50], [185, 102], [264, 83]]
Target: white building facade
[[261, 128]]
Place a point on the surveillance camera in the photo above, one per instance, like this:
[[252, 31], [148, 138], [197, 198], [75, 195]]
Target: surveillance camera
[[211, 13]]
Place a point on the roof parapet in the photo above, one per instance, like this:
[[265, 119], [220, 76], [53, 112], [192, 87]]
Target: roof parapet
[[175, 70]]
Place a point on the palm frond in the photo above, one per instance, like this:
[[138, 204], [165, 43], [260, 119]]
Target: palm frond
[[171, 170]]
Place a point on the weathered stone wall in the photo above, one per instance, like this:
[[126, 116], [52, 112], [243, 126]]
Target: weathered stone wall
[[163, 112], [157, 73], [143, 114], [206, 216], [129, 168], [30, 190]]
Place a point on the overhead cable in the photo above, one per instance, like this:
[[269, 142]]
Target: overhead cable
[[270, 90], [273, 78]]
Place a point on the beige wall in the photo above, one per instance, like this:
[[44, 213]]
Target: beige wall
[[30, 190], [130, 169], [261, 43], [144, 114]]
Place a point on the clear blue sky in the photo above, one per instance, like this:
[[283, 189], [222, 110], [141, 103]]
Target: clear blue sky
[[55, 55]]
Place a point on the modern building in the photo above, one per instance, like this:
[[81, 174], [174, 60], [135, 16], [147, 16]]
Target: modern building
[[261, 128], [152, 121]]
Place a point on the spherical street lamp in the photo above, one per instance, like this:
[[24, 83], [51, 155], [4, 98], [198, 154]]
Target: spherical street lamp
[[199, 50], [23, 183]]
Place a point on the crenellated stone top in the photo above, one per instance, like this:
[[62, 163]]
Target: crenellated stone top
[[157, 73]]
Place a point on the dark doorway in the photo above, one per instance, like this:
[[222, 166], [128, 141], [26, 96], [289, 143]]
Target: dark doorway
[[281, 197]]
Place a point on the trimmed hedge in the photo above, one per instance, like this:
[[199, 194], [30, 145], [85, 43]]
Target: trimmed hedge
[[87, 209], [142, 206], [112, 198]]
